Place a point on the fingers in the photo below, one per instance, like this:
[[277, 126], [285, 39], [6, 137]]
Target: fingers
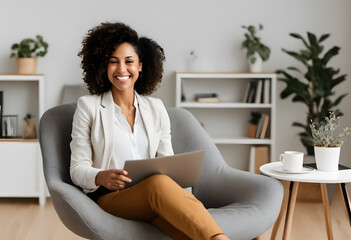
[[122, 178], [119, 171], [120, 174]]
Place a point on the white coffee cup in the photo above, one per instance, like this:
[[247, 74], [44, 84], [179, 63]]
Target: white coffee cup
[[292, 161]]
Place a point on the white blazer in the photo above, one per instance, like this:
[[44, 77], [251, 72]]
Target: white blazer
[[93, 140]]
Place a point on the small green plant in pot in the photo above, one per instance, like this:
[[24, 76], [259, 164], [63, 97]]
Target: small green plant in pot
[[256, 50], [314, 84], [327, 142], [253, 124], [27, 52]]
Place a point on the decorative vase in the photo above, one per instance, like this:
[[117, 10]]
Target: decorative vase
[[26, 65], [257, 65], [251, 131], [327, 158]]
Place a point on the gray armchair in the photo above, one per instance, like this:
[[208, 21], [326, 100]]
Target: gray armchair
[[244, 205]]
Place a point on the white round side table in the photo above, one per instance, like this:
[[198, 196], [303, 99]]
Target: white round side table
[[292, 183]]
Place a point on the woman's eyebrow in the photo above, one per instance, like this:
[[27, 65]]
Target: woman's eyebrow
[[127, 57]]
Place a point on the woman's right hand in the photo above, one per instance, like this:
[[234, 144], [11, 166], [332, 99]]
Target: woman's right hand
[[112, 179]]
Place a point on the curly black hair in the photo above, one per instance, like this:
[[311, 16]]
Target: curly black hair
[[100, 43]]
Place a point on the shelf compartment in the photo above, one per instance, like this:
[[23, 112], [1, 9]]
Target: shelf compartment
[[224, 105], [250, 141]]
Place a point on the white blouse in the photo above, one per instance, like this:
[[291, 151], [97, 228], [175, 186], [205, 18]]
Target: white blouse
[[128, 144]]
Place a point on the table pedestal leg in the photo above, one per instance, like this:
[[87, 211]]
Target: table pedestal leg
[[346, 197], [294, 186], [282, 209], [326, 211]]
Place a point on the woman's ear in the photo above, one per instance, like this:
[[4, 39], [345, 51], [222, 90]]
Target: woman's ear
[[140, 66]]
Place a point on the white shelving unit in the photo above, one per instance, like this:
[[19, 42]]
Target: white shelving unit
[[227, 121], [20, 159]]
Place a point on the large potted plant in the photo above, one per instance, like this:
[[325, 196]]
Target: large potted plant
[[256, 50], [27, 52], [313, 86], [327, 143]]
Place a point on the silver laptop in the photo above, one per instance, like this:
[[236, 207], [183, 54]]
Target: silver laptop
[[183, 168]]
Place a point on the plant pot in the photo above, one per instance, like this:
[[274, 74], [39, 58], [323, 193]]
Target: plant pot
[[251, 131], [26, 65], [327, 158], [257, 65]]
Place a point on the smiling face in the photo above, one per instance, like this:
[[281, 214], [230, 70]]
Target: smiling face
[[123, 68]]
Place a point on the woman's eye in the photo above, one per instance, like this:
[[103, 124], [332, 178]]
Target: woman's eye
[[113, 61], [130, 61]]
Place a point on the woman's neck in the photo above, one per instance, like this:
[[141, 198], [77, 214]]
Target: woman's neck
[[123, 99]]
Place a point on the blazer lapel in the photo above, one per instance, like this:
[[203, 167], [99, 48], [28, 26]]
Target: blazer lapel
[[107, 117], [148, 118]]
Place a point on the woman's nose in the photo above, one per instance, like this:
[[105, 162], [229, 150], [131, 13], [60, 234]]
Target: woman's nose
[[121, 67]]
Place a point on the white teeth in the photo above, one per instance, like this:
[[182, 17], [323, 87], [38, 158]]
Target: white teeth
[[122, 78]]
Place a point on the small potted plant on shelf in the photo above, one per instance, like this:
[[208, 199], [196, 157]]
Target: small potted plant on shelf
[[29, 131], [253, 123], [326, 144], [27, 52], [256, 50]]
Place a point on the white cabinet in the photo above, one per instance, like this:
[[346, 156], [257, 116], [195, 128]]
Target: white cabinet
[[21, 173], [227, 121]]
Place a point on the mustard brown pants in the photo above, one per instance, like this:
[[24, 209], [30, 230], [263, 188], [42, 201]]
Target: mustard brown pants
[[163, 203]]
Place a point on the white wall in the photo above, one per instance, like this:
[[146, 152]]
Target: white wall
[[211, 28]]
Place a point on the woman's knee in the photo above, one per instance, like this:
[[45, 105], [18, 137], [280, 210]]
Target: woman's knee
[[160, 182]]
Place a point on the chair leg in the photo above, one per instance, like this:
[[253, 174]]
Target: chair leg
[[326, 211]]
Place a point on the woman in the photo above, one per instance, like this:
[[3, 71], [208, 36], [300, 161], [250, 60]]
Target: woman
[[118, 122]]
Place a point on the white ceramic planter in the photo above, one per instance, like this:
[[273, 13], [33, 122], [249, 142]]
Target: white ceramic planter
[[327, 158], [257, 65]]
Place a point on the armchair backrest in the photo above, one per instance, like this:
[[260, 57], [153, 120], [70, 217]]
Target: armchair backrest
[[187, 135], [55, 130]]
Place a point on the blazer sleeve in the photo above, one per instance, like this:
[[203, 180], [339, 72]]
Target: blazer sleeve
[[165, 145], [82, 172]]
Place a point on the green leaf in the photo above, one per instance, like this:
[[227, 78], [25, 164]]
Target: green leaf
[[295, 69], [14, 46], [297, 124], [296, 56], [323, 37], [338, 100], [298, 36], [337, 80], [329, 54], [312, 38]]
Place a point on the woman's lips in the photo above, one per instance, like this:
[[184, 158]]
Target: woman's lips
[[122, 78]]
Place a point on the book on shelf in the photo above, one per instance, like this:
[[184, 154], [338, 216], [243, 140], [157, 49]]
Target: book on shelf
[[261, 157], [209, 100], [257, 91], [252, 92], [262, 126], [207, 97], [1, 112], [246, 94], [252, 159], [266, 90]]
